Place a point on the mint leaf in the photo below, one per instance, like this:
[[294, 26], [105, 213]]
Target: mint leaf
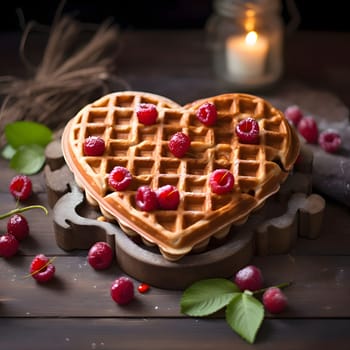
[[207, 296], [27, 133], [28, 159], [8, 152], [245, 315]]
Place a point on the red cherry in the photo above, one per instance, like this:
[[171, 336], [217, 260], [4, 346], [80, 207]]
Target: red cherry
[[18, 226], [94, 146], [21, 187], [294, 114], [119, 178], [330, 141], [122, 290], [248, 131], [100, 255], [168, 197], [207, 114], [249, 278], [221, 181], [147, 113], [307, 128], [179, 144], [8, 245], [274, 300], [146, 199], [38, 262], [41, 269]]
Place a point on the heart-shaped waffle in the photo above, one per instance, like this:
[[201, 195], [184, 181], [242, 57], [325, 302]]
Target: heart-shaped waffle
[[258, 169]]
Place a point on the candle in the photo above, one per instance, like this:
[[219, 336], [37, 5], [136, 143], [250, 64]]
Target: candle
[[246, 56]]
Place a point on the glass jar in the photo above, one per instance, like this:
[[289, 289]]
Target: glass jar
[[246, 38]]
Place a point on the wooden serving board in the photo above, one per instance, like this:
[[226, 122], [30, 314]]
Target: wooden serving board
[[273, 229]]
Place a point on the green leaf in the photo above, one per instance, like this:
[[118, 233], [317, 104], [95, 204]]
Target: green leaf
[[28, 159], [8, 152], [245, 315], [27, 133], [207, 296]]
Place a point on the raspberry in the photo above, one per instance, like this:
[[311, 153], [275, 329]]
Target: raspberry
[[329, 140], [274, 300], [146, 199], [100, 256], [147, 113], [248, 131], [119, 178], [249, 278], [18, 226], [168, 197], [21, 187], [221, 181], [207, 114], [307, 128], [8, 245], [94, 146], [293, 114], [179, 144], [122, 290], [41, 269]]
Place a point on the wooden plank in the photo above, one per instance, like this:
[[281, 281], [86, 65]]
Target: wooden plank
[[80, 291], [61, 334]]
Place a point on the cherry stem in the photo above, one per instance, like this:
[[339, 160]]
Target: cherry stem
[[21, 210], [223, 178], [170, 193], [282, 285]]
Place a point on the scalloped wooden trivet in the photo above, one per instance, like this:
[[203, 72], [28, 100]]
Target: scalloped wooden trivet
[[273, 229]]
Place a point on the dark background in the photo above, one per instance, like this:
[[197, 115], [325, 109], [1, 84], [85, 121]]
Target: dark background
[[166, 14]]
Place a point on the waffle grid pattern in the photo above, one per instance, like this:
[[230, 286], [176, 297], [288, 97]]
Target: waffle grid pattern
[[144, 151]]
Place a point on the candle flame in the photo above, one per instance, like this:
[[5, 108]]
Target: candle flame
[[250, 22], [251, 38]]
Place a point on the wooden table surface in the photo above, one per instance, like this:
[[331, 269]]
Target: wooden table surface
[[75, 311]]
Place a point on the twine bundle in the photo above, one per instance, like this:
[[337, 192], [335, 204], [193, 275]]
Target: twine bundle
[[72, 73]]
